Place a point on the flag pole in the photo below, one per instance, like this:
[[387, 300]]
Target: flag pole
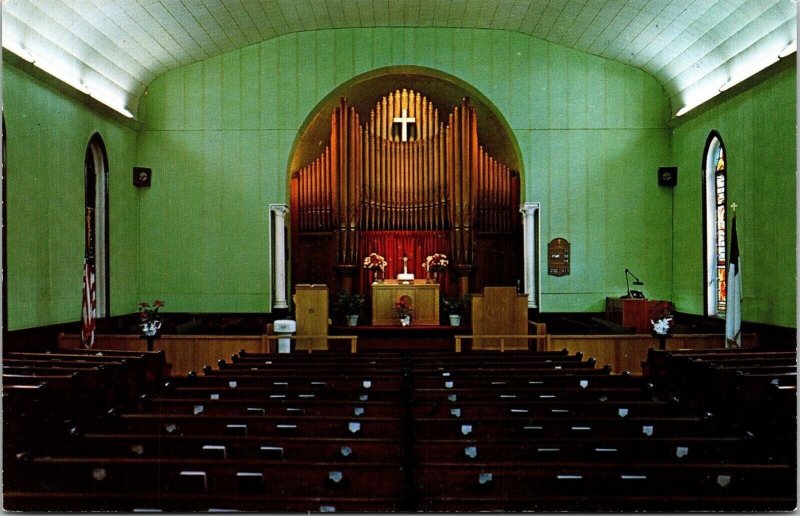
[[733, 310]]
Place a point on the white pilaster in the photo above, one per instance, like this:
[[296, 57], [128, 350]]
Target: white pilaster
[[530, 236], [279, 212]]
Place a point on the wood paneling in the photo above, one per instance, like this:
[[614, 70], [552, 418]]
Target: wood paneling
[[311, 313], [627, 352], [185, 352], [424, 297], [499, 311]]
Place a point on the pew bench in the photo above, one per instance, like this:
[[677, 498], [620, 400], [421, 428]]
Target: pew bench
[[238, 407], [125, 501], [226, 447], [332, 381], [237, 387], [254, 425], [534, 393], [503, 482], [678, 449], [154, 477], [544, 408]]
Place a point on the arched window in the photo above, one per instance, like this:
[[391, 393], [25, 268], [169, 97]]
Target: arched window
[[96, 220], [715, 169]]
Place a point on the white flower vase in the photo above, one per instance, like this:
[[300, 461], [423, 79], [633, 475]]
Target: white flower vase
[[352, 320], [405, 321], [151, 328], [455, 319]]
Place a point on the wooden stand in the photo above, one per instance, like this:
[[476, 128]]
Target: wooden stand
[[311, 312], [499, 311], [631, 312], [424, 296]]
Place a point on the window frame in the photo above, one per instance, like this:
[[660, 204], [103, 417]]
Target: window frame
[[710, 228]]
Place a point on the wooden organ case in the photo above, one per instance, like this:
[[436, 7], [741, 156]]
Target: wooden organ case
[[433, 189]]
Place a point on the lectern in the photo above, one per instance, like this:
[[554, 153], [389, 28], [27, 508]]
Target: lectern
[[311, 308], [631, 312]]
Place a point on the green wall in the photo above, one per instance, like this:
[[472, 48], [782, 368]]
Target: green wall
[[758, 128], [47, 136], [218, 135]]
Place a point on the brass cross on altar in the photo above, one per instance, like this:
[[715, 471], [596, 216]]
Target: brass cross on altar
[[404, 120]]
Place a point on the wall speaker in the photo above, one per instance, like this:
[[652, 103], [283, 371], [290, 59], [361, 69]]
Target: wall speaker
[[667, 176], [142, 176]]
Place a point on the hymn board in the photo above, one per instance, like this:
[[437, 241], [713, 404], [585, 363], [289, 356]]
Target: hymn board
[[405, 182]]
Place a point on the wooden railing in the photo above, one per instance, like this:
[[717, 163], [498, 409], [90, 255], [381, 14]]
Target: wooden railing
[[502, 339], [271, 347]]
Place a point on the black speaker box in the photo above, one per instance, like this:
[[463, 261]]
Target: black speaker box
[[142, 177], [668, 176]]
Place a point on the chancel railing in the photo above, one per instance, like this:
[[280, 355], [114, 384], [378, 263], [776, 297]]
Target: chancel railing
[[403, 170]]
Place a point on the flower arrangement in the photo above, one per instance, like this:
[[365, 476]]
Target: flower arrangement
[[375, 262], [436, 262], [403, 307], [661, 317], [150, 318]]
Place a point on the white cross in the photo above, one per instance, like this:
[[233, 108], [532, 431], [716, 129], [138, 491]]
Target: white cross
[[404, 120]]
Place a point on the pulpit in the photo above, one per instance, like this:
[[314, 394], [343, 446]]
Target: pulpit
[[631, 312], [311, 307], [499, 311], [424, 297]]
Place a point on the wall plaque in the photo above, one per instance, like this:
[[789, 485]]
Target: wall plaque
[[558, 257]]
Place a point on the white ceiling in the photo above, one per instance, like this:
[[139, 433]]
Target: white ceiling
[[115, 48]]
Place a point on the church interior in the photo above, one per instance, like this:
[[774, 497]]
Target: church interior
[[399, 255]]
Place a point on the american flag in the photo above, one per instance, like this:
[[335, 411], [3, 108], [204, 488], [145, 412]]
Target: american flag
[[88, 313]]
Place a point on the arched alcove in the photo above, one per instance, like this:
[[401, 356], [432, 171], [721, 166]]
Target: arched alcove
[[445, 91], [357, 186]]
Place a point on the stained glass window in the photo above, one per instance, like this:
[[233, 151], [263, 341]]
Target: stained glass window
[[715, 170]]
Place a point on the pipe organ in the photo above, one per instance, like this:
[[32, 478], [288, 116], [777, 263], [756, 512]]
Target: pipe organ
[[432, 179]]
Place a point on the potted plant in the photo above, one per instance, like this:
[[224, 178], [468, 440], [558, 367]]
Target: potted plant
[[455, 308], [349, 305], [404, 309]]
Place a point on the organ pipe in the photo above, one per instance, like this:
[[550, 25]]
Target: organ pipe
[[440, 179]]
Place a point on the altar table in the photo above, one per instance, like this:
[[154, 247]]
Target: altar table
[[424, 297]]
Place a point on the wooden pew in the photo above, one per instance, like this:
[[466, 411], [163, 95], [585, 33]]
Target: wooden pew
[[76, 395], [155, 477], [573, 379], [596, 392], [561, 427], [31, 421], [505, 486], [301, 380], [156, 366], [288, 425], [605, 487], [674, 449], [351, 449], [135, 365], [479, 410], [116, 381], [272, 407], [125, 501], [239, 387]]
